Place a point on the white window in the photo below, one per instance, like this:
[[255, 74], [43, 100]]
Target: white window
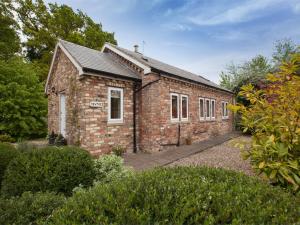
[[184, 108], [207, 109], [115, 105], [201, 109], [213, 109], [174, 107], [224, 110]]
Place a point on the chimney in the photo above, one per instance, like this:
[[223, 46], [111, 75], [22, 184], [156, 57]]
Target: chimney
[[136, 48]]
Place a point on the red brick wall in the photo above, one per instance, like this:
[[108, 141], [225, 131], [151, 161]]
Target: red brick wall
[[89, 127], [97, 134], [158, 131], [65, 79], [86, 126]]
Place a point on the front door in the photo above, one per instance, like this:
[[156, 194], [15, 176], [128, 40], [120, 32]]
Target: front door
[[62, 114]]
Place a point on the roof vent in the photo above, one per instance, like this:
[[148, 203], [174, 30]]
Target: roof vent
[[136, 48]]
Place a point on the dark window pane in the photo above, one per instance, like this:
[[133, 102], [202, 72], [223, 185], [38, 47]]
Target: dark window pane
[[115, 104], [223, 113], [184, 107], [174, 106], [207, 109], [201, 108], [213, 108]]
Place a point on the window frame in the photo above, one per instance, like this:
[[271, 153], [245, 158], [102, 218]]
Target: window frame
[[109, 119], [208, 118], [187, 108], [171, 106], [212, 117], [202, 118], [225, 112]]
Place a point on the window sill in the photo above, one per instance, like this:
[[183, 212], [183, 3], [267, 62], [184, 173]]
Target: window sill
[[115, 123], [178, 121], [208, 121]]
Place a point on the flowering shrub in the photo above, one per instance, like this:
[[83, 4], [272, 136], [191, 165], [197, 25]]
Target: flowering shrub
[[273, 116]]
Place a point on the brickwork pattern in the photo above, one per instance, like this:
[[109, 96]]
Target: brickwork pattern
[[89, 127]]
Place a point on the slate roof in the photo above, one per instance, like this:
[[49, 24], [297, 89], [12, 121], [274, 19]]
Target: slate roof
[[168, 69], [97, 61]]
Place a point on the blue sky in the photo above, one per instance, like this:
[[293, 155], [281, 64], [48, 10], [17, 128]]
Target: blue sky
[[200, 36]]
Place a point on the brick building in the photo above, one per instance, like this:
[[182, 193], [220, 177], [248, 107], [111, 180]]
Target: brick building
[[100, 99]]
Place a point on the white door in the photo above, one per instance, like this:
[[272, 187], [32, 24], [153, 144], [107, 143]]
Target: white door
[[62, 114]]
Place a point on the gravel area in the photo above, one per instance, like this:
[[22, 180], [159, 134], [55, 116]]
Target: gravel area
[[221, 156]]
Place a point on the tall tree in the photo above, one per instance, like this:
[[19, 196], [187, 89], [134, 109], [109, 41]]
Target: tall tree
[[23, 107], [283, 51], [44, 24], [9, 40], [253, 71]]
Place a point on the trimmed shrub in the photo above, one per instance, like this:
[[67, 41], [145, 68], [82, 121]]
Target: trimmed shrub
[[118, 150], [109, 168], [7, 153], [181, 196], [29, 208], [6, 138], [49, 169]]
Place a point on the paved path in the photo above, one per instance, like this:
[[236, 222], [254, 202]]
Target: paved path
[[143, 161]]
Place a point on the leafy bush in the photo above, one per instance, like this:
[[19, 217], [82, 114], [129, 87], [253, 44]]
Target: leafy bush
[[118, 150], [51, 138], [181, 196], [60, 140], [109, 168], [6, 138], [23, 107], [7, 153], [49, 169], [274, 119], [25, 146], [29, 208]]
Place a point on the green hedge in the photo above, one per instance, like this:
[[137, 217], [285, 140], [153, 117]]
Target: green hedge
[[181, 196], [7, 153], [49, 169], [29, 208]]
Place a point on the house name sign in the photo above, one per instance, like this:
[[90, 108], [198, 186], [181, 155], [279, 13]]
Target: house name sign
[[96, 104]]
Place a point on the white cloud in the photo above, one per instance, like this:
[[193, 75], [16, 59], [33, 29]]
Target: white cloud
[[240, 13], [178, 27], [296, 9]]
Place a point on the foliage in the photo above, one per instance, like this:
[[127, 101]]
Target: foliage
[[29, 208], [51, 138], [118, 150], [253, 71], [43, 25], [9, 40], [60, 140], [275, 120], [109, 168], [49, 169], [7, 153], [25, 146], [6, 138], [283, 51], [181, 196], [22, 104]]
